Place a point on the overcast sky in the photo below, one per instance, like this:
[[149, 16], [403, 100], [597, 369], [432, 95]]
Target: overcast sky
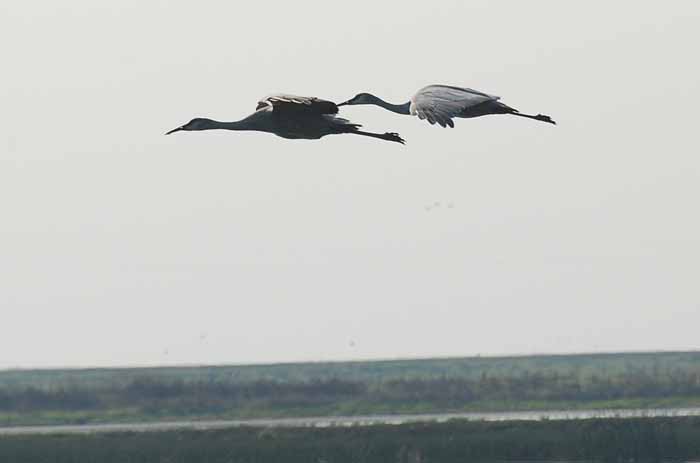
[[121, 246]]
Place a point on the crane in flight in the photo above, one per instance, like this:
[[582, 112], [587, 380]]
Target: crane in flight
[[294, 117], [441, 103]]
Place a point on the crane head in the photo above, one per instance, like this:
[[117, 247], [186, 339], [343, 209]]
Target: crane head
[[195, 124], [360, 98]]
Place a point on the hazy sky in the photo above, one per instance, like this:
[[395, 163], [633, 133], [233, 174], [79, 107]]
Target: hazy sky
[[121, 246]]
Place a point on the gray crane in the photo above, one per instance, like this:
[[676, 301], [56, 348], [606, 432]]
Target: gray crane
[[441, 103], [294, 117]]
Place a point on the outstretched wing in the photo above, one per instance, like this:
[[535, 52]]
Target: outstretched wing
[[440, 103], [282, 102]]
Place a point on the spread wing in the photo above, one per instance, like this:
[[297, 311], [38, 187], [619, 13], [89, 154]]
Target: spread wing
[[282, 102], [440, 103]]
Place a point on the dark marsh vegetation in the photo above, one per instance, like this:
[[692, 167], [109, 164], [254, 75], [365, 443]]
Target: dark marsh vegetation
[[613, 440]]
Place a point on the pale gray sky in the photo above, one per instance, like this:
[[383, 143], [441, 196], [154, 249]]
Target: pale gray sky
[[120, 246]]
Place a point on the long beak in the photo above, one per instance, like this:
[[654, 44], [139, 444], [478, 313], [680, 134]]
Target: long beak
[[175, 130], [343, 103]]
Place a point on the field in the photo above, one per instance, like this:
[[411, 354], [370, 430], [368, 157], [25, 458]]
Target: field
[[642, 380], [615, 440]]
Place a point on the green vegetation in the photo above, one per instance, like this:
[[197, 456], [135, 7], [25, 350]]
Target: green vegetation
[[618, 440], [585, 365], [351, 388]]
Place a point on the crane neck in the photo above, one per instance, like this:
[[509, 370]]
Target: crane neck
[[235, 125], [404, 108]]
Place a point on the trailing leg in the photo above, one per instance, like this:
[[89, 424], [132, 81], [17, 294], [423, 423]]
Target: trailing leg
[[389, 136], [538, 117]]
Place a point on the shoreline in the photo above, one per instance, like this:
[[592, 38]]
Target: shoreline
[[340, 421]]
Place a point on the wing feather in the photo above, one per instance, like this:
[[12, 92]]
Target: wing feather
[[441, 103], [284, 102]]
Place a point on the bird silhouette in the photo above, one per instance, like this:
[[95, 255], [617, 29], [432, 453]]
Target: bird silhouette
[[293, 117], [439, 104]]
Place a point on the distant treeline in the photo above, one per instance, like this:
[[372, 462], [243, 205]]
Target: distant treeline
[[160, 396], [646, 440], [581, 365]]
